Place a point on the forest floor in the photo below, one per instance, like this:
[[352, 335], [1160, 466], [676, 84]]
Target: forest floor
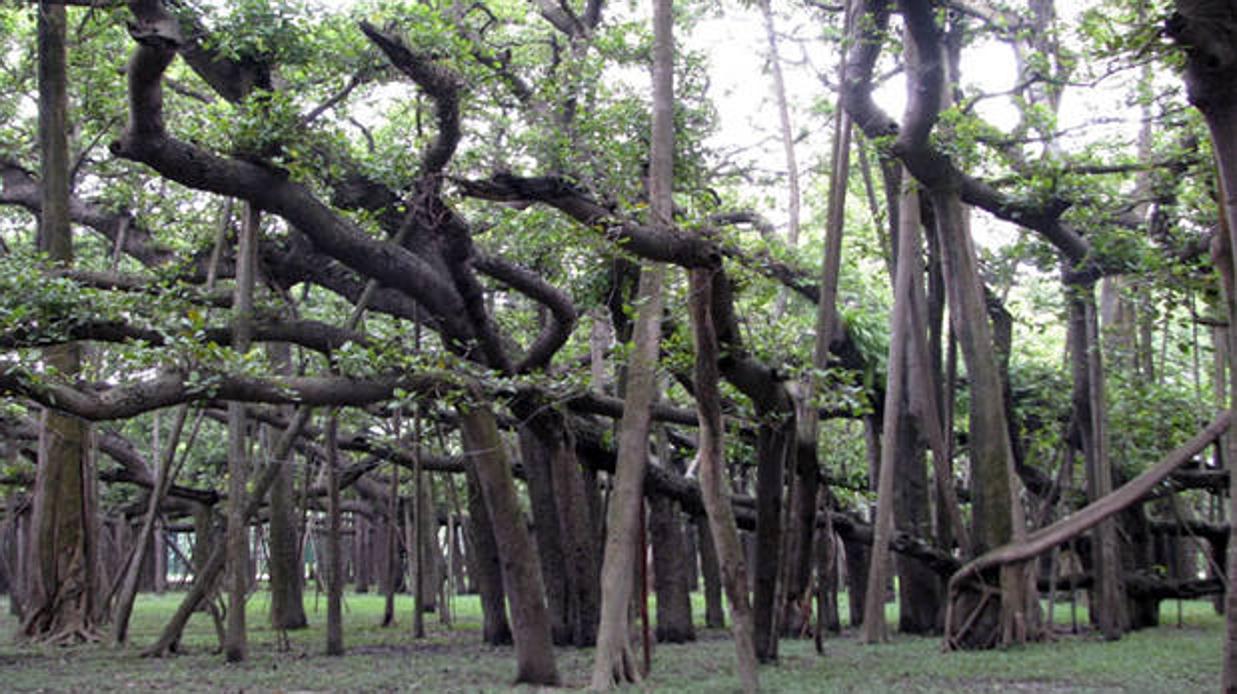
[[1171, 658]]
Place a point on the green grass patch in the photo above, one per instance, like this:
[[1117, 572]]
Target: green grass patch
[[1167, 659]]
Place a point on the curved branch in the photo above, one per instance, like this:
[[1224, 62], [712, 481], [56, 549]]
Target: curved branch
[[146, 141], [441, 84], [926, 162], [562, 311], [670, 246]]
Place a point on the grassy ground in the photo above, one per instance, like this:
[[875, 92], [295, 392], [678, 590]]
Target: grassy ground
[[1168, 659]]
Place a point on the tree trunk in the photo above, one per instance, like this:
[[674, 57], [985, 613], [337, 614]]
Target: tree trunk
[[362, 553], [239, 577], [537, 475], [773, 446], [530, 620], [129, 584], [287, 578], [334, 544], [417, 532], [713, 486], [577, 531], [485, 568], [613, 662], [1109, 602], [874, 628], [714, 617], [213, 564], [857, 563], [62, 583], [996, 507], [1205, 30], [674, 607]]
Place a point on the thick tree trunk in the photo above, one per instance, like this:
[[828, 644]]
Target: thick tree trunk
[[774, 444], [62, 582], [537, 474], [858, 560], [530, 620], [802, 512], [1205, 29], [485, 567], [920, 609], [284, 561], [996, 507], [674, 607]]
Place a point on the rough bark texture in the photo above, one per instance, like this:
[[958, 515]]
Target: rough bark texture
[[996, 508], [773, 446], [61, 583], [614, 662], [530, 620], [536, 459]]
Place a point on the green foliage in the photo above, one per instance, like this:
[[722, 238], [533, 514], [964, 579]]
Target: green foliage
[[261, 31]]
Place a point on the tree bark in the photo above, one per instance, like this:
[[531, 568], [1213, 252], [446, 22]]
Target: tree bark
[[613, 661], [774, 445], [1205, 29], [874, 628], [996, 507], [537, 474], [713, 485], [674, 607], [334, 543], [236, 646], [485, 568], [710, 572], [1109, 591], [530, 620], [286, 565], [61, 584]]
